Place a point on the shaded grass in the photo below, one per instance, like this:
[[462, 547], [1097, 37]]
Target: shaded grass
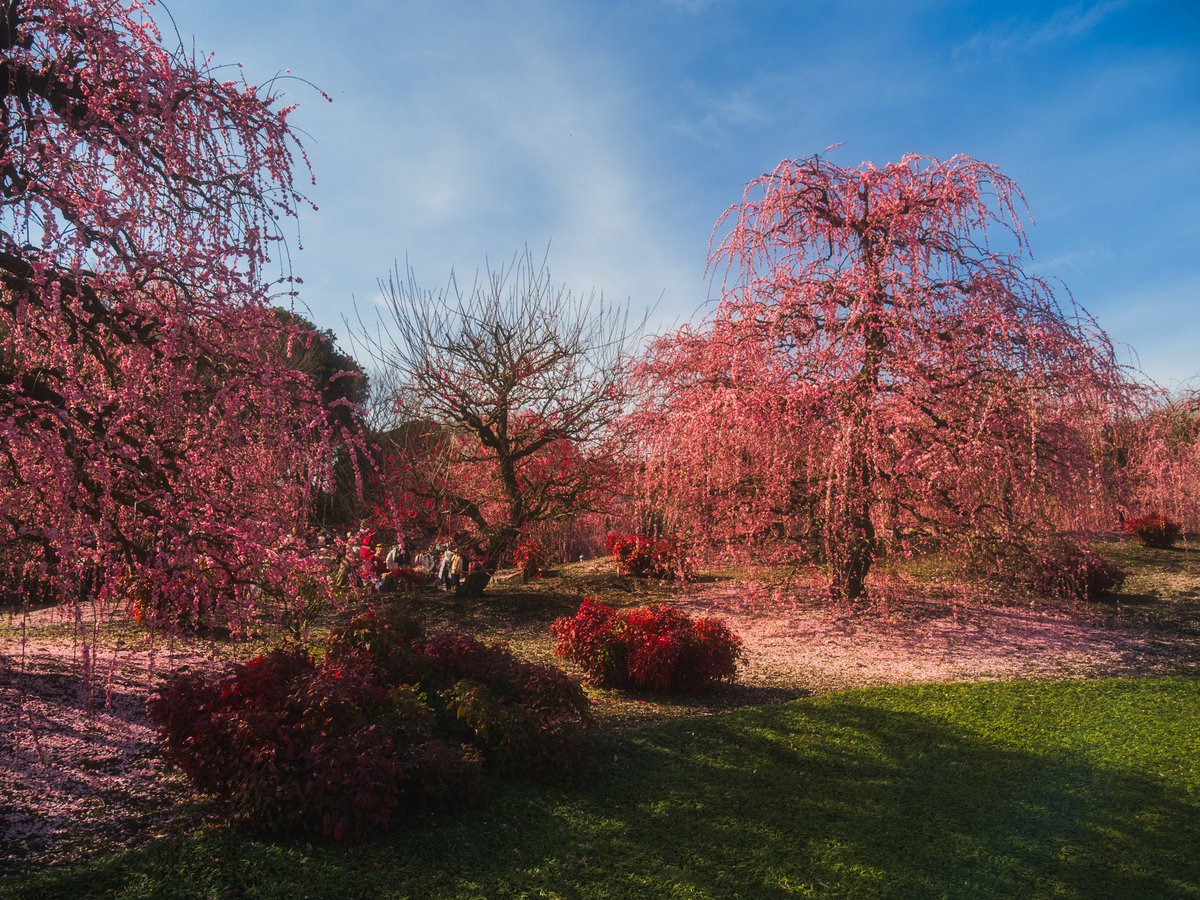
[[1155, 572], [1071, 789]]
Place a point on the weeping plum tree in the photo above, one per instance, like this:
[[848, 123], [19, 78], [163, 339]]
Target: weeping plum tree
[[1161, 459], [877, 376], [152, 432], [502, 399]]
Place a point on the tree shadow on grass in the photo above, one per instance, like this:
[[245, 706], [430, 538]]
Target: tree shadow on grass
[[844, 798], [894, 804]]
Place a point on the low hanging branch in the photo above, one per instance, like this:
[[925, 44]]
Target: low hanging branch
[[154, 432]]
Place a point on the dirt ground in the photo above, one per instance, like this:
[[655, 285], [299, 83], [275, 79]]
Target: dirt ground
[[80, 772], [797, 643]]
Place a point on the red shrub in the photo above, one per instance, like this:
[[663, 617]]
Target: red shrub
[[329, 749], [167, 609], [656, 647], [384, 634], [526, 718], [641, 556], [530, 557], [590, 639], [389, 722], [1154, 530]]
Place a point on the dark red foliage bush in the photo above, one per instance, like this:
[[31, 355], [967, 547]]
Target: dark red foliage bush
[[656, 647], [1076, 573], [642, 556], [526, 718], [327, 749], [1154, 530], [390, 722], [385, 635]]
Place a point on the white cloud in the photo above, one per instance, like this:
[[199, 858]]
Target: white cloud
[[529, 134], [719, 115], [1074, 21]]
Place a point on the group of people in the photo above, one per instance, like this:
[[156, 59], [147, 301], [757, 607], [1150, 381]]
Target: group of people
[[451, 569], [390, 567]]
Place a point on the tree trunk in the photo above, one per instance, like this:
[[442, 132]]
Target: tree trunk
[[475, 583], [852, 561], [478, 578], [852, 551], [853, 547]]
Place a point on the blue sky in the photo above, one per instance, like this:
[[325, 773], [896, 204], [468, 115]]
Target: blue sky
[[619, 130]]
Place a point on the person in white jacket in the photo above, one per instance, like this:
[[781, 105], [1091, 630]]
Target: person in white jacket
[[443, 572]]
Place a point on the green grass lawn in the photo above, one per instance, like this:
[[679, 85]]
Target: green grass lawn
[[1077, 789]]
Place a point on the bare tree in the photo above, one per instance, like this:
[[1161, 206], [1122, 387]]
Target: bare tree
[[501, 400]]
